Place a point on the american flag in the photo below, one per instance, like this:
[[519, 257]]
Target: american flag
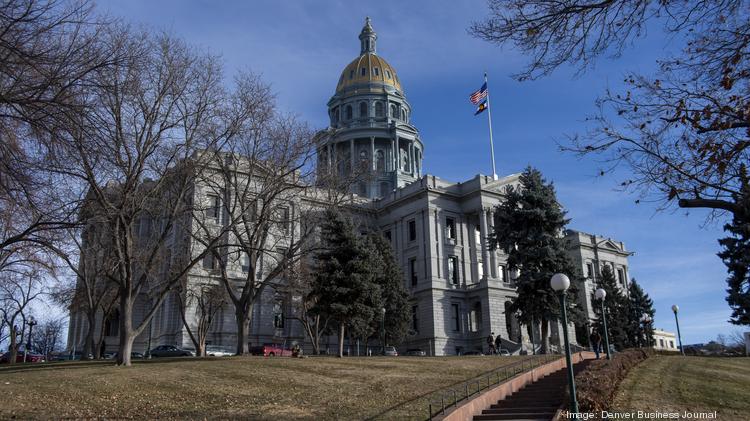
[[479, 95]]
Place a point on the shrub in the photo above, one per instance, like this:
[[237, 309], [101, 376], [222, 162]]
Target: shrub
[[597, 384]]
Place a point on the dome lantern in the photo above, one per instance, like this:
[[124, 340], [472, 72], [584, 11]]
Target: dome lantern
[[367, 38]]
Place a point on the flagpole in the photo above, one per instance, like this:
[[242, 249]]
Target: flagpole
[[489, 120]]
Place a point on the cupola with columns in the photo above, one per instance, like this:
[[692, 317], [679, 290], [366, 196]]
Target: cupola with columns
[[370, 138]]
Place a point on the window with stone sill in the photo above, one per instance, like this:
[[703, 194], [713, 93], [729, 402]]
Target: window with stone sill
[[450, 229], [412, 227]]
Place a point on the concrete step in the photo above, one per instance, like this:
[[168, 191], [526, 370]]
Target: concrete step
[[508, 410], [542, 415]]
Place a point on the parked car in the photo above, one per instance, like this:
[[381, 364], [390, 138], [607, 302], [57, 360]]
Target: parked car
[[133, 355], [271, 350], [415, 353], [30, 358], [217, 351], [171, 351], [390, 351]]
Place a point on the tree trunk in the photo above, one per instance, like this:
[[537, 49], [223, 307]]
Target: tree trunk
[[243, 318], [127, 336], [88, 344], [13, 351], [341, 339], [545, 336]]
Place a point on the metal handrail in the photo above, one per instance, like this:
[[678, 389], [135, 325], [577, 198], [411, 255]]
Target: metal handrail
[[485, 381]]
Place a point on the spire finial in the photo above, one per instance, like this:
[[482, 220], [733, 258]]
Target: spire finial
[[367, 38]]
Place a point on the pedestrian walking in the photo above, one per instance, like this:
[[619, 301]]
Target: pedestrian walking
[[596, 342], [491, 343], [498, 343]]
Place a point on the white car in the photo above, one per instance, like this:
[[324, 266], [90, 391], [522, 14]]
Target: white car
[[217, 351]]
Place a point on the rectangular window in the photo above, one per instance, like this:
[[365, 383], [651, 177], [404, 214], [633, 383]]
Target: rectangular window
[[589, 270], [480, 269], [453, 270], [671, 344], [621, 276], [251, 212], [455, 317], [209, 262], [278, 315], [450, 228], [388, 235], [377, 71], [412, 230], [478, 235], [501, 272], [413, 271], [214, 207], [414, 318], [284, 219], [245, 263], [661, 343]]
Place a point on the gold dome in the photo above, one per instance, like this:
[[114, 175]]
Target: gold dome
[[368, 68]]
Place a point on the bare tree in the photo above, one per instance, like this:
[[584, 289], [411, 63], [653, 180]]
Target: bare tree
[[137, 149], [17, 290], [47, 337], [199, 304], [683, 131], [48, 48]]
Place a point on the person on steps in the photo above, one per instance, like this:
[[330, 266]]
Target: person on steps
[[596, 342]]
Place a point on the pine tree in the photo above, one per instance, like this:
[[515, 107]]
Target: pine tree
[[639, 303], [344, 287], [736, 256], [616, 307], [528, 227], [394, 296]]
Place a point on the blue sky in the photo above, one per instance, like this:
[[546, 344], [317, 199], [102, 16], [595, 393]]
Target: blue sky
[[300, 48]]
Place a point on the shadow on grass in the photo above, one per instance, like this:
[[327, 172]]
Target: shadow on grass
[[68, 365]]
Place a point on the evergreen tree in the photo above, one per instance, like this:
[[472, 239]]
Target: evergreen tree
[[639, 303], [528, 227], [736, 256], [344, 287], [394, 296], [616, 308]]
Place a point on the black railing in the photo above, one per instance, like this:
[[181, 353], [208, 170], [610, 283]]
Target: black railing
[[453, 395]]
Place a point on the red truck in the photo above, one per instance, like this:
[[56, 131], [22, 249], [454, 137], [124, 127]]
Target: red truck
[[271, 350]]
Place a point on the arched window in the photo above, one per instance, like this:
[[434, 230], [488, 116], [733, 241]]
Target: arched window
[[363, 155], [379, 112], [394, 111], [403, 115], [380, 160], [362, 109], [349, 112], [335, 115]]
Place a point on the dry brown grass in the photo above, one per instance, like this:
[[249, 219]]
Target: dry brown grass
[[694, 384], [238, 387]]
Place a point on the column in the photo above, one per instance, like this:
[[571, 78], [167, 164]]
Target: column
[[351, 155], [373, 163], [493, 253], [331, 164], [412, 167], [394, 154], [483, 241]]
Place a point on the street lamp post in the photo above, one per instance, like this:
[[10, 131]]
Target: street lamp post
[[646, 319], [601, 294], [675, 309], [31, 323], [382, 328], [560, 283]]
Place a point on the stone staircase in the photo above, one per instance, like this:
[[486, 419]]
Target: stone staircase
[[537, 401]]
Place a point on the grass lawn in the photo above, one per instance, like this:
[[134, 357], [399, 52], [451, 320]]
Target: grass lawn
[[695, 384], [237, 387]]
